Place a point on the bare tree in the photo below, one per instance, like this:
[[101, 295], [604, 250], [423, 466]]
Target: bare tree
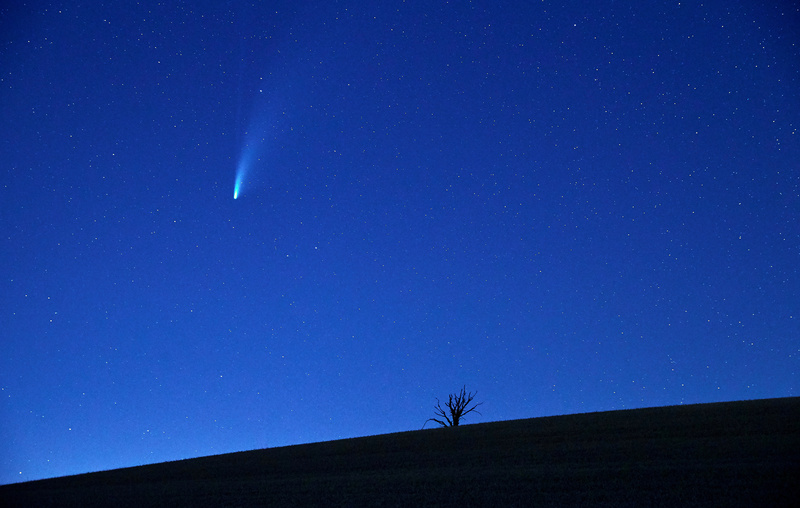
[[457, 407]]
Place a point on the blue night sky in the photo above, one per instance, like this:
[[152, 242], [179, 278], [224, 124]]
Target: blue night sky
[[568, 208]]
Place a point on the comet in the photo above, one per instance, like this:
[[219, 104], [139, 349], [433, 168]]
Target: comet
[[245, 164], [263, 126], [236, 188]]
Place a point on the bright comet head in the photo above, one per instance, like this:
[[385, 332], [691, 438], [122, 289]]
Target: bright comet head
[[237, 186]]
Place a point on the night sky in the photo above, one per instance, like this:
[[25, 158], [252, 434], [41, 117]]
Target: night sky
[[568, 208]]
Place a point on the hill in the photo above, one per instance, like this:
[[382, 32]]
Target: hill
[[721, 454]]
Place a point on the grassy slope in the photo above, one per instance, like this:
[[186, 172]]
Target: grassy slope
[[722, 454]]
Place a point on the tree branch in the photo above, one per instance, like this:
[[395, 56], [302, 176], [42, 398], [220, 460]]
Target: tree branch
[[457, 407]]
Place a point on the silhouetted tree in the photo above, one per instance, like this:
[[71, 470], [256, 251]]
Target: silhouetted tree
[[457, 407]]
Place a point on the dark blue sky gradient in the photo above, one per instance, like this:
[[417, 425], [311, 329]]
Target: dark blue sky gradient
[[567, 208]]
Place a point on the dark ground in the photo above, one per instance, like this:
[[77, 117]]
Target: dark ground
[[723, 454]]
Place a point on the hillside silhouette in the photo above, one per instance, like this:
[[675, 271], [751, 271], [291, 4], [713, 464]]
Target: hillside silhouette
[[720, 454]]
